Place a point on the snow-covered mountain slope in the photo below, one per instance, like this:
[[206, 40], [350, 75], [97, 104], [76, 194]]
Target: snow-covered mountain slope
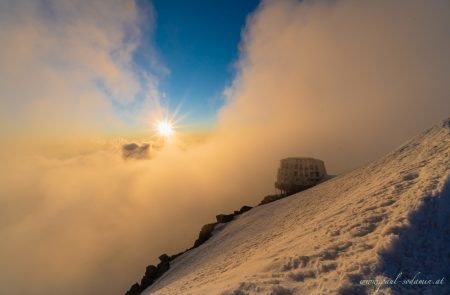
[[390, 216]]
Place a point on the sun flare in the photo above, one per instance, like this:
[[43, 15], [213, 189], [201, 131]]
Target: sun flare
[[165, 128]]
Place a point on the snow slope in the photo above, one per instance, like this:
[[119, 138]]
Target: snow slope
[[390, 216]]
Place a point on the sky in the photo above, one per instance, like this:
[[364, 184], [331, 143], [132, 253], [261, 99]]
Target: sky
[[191, 47], [144, 55], [343, 81], [197, 42]]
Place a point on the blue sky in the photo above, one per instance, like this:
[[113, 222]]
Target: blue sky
[[197, 41]]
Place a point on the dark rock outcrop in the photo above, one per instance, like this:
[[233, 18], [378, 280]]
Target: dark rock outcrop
[[178, 254], [224, 218], [152, 273], [164, 258], [270, 199], [205, 234], [134, 290], [244, 209]]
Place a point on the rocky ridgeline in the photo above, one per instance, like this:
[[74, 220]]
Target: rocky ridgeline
[[152, 273], [272, 198]]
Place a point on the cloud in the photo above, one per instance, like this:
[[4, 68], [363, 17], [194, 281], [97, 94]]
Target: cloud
[[66, 64], [95, 221], [344, 81], [135, 151]]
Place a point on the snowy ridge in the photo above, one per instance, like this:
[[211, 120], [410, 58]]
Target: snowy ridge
[[390, 216]]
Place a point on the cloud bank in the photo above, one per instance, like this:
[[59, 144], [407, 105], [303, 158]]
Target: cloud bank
[[344, 81]]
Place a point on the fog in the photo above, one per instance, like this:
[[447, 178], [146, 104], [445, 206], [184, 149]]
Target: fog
[[343, 81]]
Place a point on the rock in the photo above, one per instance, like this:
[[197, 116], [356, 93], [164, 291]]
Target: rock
[[147, 281], [446, 123], [244, 209], [152, 273], [150, 270], [134, 290], [224, 218], [205, 234], [163, 266], [164, 258], [178, 254], [270, 199]]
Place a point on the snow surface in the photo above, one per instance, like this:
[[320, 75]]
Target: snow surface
[[389, 216]]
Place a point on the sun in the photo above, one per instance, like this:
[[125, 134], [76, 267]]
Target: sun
[[165, 128]]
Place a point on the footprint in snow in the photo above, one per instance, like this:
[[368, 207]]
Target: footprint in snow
[[365, 229], [301, 276], [410, 176], [386, 203]]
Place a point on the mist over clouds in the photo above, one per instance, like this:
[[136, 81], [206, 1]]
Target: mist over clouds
[[344, 81]]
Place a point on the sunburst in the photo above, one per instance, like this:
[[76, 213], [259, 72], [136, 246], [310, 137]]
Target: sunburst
[[165, 128]]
